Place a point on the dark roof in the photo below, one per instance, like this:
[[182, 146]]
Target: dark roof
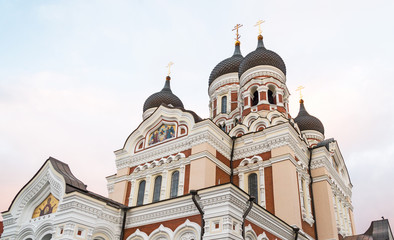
[[228, 65], [164, 96], [72, 183], [261, 56], [69, 178], [306, 121], [378, 230], [325, 143]]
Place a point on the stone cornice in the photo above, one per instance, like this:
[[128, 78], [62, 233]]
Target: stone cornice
[[323, 160], [223, 80], [179, 145], [275, 137]]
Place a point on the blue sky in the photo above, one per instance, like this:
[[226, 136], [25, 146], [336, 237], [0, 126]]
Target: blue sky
[[74, 76]]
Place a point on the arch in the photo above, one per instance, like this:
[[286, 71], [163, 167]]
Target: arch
[[47, 237], [161, 233], [141, 192], [187, 231], [45, 230], [259, 124], [99, 238], [174, 184], [240, 129], [262, 236], [26, 233], [250, 233], [103, 232], [244, 162], [253, 186], [138, 235], [156, 189]]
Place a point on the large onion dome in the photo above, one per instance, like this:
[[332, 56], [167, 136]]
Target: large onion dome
[[164, 96], [228, 65], [308, 122], [261, 56]]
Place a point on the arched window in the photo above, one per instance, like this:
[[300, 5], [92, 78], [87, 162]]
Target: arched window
[[156, 189], [174, 184], [271, 95], [141, 192], [224, 104], [47, 237], [255, 98], [252, 185]]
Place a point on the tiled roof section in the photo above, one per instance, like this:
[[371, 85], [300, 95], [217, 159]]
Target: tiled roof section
[[69, 178], [228, 65], [378, 230], [164, 96], [306, 121], [261, 56]]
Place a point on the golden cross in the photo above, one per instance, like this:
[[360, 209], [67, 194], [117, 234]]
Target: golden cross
[[259, 22], [236, 28], [299, 89], [169, 67]]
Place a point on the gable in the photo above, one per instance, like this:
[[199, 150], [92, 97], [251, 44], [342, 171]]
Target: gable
[[164, 125]]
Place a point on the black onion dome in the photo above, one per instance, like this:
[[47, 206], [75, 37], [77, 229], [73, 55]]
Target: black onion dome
[[228, 65], [308, 122], [261, 56], [164, 96]]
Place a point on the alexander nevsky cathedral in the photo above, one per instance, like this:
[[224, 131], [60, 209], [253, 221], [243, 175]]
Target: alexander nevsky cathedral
[[249, 171]]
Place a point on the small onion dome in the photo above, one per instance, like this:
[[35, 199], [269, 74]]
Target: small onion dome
[[228, 65], [308, 122], [164, 96], [261, 56]]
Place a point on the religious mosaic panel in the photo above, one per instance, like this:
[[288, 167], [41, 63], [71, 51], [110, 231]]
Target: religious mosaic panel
[[164, 132], [48, 206]]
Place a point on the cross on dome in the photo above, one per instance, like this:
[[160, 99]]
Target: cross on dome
[[169, 67], [259, 22], [299, 90], [238, 36]]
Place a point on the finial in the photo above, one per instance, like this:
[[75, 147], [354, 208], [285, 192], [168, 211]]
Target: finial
[[237, 35], [169, 68], [259, 22], [299, 89]]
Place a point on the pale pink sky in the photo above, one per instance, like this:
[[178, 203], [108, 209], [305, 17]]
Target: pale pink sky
[[74, 77]]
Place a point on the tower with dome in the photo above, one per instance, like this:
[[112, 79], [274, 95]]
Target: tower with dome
[[249, 171]]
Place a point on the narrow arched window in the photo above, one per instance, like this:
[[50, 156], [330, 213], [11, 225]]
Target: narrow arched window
[[271, 97], [252, 185], [255, 99], [174, 184], [224, 104], [156, 189], [141, 192]]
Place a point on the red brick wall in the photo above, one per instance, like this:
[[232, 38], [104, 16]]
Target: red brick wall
[[171, 224], [259, 230], [222, 176], [222, 158], [1, 228], [187, 178], [269, 190]]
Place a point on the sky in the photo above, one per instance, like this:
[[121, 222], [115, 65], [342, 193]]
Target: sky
[[74, 76]]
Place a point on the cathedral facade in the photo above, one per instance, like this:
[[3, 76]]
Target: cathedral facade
[[249, 171]]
